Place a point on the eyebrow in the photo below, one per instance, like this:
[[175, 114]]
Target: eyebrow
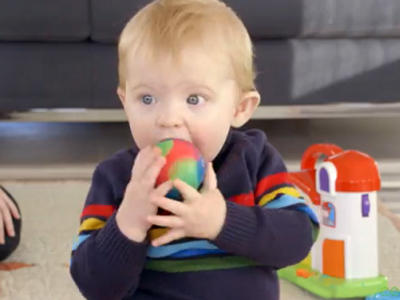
[[185, 84], [141, 85], [196, 85]]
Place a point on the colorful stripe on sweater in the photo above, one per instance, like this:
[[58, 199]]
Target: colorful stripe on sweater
[[93, 218], [272, 192]]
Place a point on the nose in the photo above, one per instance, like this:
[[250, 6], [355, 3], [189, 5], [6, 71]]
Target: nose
[[170, 116]]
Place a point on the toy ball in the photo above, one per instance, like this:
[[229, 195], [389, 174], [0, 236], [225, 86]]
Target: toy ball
[[184, 162]]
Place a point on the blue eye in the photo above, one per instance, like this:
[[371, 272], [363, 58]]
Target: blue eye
[[147, 99], [194, 99]]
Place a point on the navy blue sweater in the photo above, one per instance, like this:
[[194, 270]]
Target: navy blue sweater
[[267, 226]]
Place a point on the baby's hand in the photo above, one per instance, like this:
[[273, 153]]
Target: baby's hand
[[136, 205], [7, 211], [200, 215]]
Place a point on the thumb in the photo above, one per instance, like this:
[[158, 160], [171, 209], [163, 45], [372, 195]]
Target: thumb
[[210, 178]]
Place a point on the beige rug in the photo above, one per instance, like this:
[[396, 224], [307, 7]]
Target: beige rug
[[51, 218]]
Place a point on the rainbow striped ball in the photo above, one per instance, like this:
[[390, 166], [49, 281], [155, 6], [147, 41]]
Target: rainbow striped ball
[[183, 161]]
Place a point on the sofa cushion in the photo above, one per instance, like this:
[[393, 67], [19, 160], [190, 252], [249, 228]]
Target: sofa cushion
[[44, 75], [109, 17], [55, 75], [322, 19], [44, 20], [320, 71], [275, 18], [272, 18], [350, 18]]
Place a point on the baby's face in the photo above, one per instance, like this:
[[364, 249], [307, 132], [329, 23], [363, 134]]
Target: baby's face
[[194, 100]]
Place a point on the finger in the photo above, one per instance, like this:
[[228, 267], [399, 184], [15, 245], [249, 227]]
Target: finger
[[12, 207], [210, 179], [6, 219], [175, 207], [3, 195], [8, 223], [151, 174], [144, 159], [2, 240], [163, 188], [188, 192], [166, 221], [171, 235]]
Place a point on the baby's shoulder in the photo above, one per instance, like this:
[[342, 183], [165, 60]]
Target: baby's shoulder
[[251, 141], [254, 147], [118, 164]]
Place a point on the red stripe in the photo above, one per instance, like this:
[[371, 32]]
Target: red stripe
[[267, 182], [244, 199], [98, 210]]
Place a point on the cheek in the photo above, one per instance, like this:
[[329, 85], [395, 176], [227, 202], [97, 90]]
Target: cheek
[[210, 139], [140, 129]]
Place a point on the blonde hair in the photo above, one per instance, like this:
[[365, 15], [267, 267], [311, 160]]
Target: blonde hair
[[166, 26]]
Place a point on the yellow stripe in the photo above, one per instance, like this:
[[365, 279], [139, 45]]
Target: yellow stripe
[[157, 232], [291, 191], [91, 224]]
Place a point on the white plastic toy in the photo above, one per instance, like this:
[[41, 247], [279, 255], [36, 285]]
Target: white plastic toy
[[341, 188]]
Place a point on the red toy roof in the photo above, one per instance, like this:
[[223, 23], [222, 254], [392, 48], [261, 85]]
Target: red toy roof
[[357, 172]]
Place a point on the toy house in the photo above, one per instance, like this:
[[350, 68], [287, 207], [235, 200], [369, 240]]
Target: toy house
[[341, 187]]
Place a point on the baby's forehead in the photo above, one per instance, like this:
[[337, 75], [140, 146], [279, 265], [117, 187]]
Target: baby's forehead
[[192, 64]]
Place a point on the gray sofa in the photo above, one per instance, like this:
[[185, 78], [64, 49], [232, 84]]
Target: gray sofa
[[62, 53]]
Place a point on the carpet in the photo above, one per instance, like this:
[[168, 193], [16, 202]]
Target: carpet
[[38, 269]]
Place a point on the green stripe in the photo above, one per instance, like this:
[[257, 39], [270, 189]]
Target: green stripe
[[198, 264]]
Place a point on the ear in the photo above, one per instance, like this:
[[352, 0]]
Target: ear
[[121, 95], [245, 108]]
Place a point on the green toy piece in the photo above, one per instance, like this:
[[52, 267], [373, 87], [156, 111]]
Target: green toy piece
[[332, 287]]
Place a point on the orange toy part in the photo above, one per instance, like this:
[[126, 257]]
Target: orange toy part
[[313, 152], [305, 181], [357, 172], [13, 265], [303, 273], [333, 258]]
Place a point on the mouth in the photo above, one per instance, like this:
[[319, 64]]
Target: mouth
[[175, 138]]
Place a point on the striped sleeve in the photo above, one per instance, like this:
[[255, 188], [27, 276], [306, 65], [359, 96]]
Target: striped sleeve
[[275, 230], [105, 264], [274, 189], [93, 218], [97, 209]]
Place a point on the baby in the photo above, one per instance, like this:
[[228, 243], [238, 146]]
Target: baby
[[186, 71]]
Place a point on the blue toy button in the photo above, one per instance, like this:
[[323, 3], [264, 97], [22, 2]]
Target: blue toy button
[[392, 294]]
